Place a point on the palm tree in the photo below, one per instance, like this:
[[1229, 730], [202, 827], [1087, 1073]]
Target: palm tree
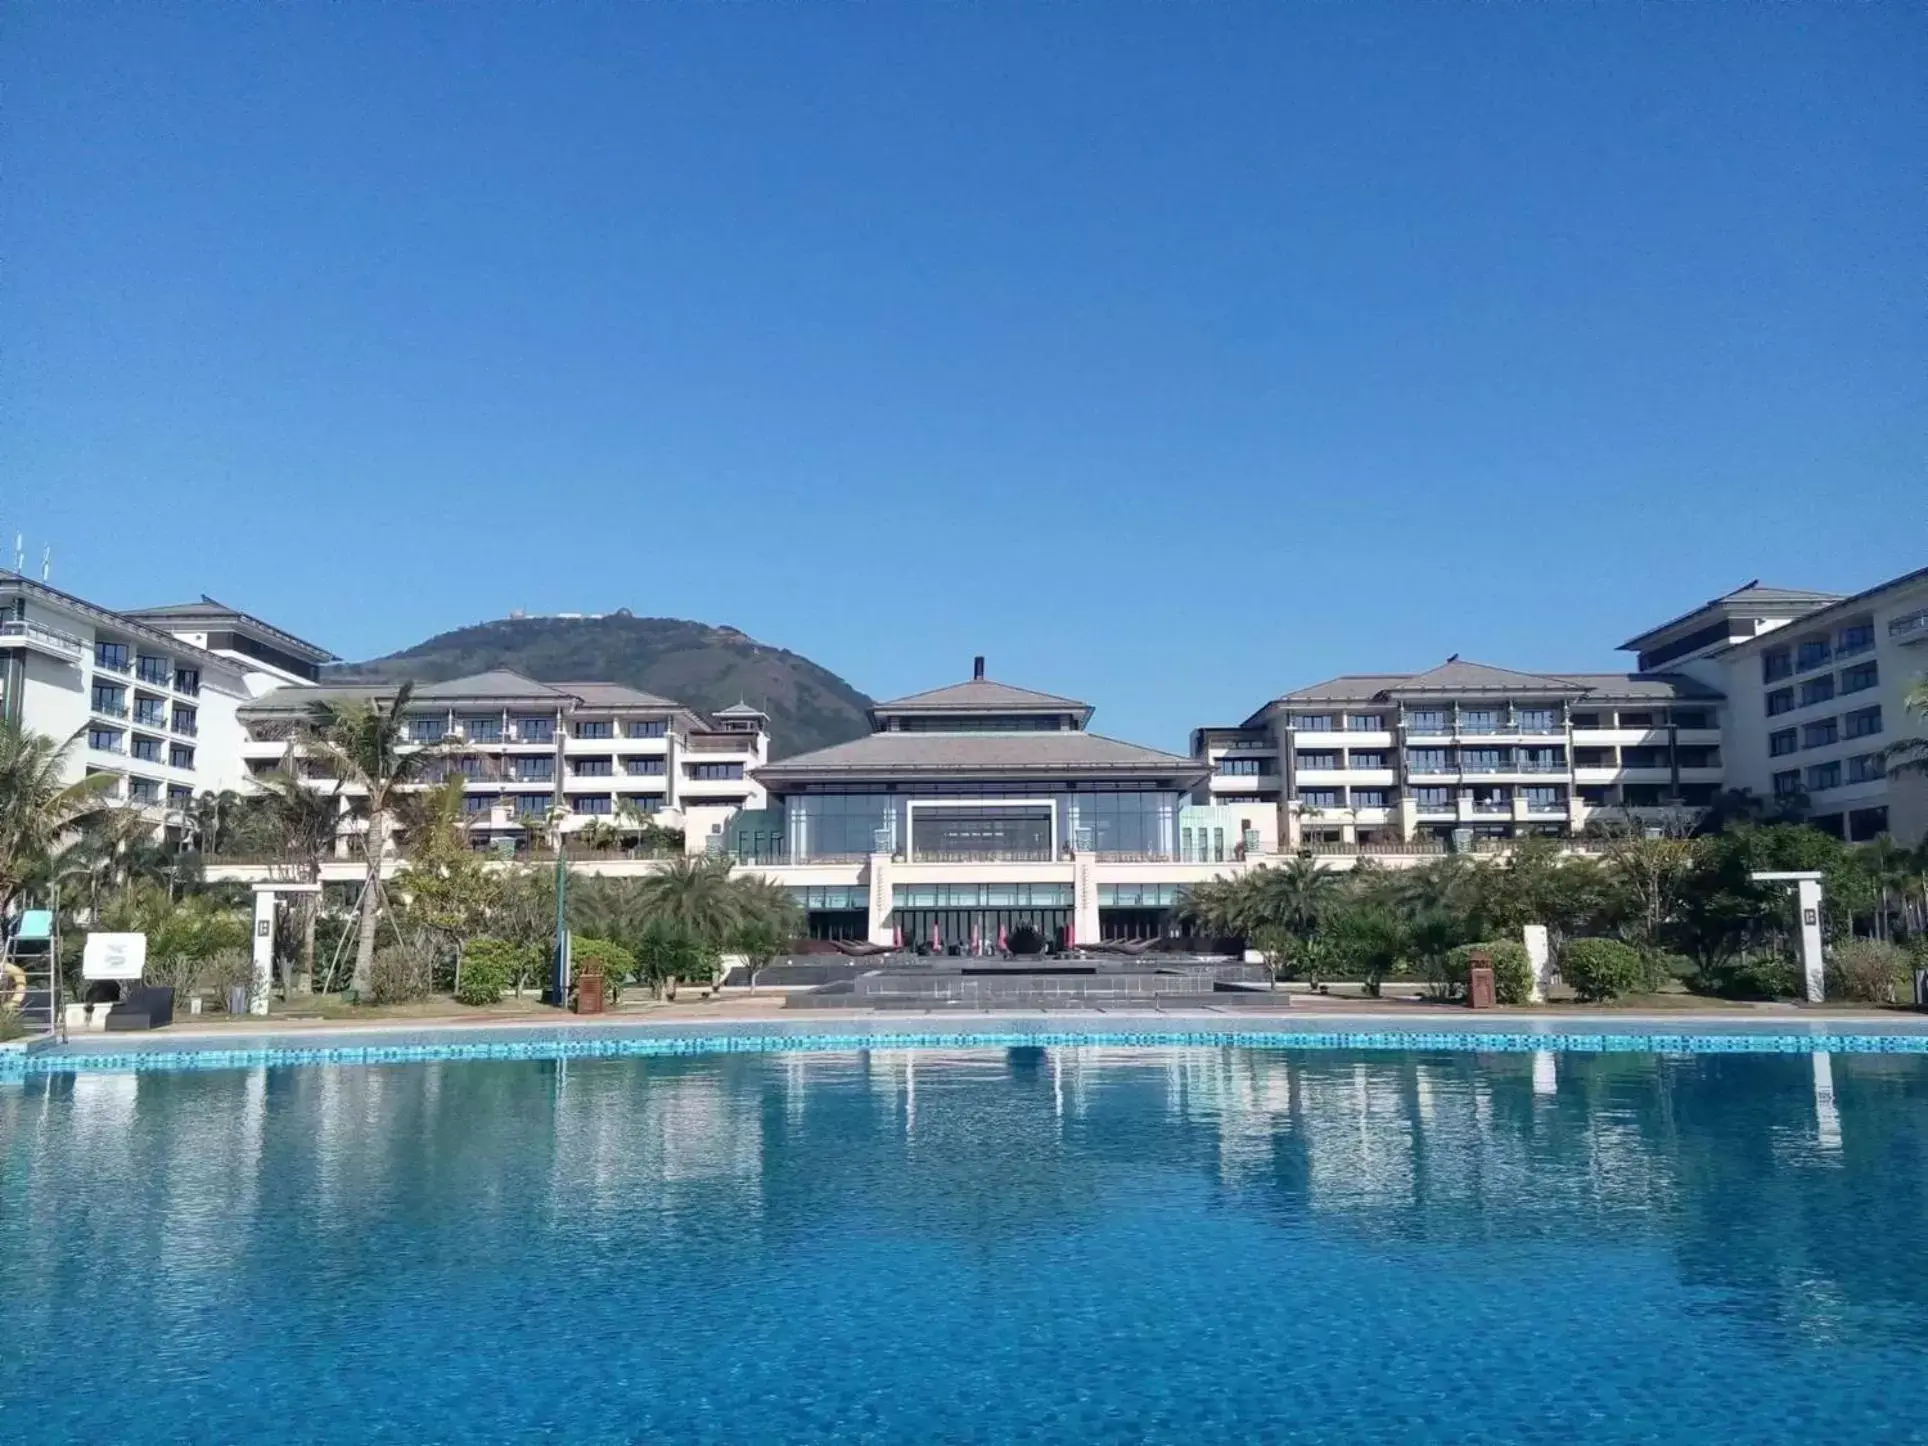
[[1294, 897], [365, 747], [1910, 755], [697, 895], [38, 806]]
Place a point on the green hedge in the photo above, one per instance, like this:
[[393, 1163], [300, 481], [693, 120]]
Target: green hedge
[[1603, 968], [605, 957], [1512, 968], [489, 969]]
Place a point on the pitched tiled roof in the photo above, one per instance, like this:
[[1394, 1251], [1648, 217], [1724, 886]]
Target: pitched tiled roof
[[615, 695], [975, 695], [1643, 685], [1746, 600], [1063, 752], [210, 611], [496, 683], [740, 710], [1457, 676]]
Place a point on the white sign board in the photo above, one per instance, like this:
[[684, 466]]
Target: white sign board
[[114, 956]]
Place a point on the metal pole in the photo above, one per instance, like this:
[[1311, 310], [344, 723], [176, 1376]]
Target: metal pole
[[560, 976]]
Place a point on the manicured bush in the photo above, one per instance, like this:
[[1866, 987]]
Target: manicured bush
[[1868, 970], [1602, 968], [489, 968], [400, 973], [1512, 968], [614, 963], [1762, 976]]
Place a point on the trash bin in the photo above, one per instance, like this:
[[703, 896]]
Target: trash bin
[[1479, 982], [237, 999], [1921, 988], [589, 994]]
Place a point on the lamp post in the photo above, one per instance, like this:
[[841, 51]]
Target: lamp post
[[1807, 892], [559, 976]]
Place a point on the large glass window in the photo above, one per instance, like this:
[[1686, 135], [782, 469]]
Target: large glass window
[[1478, 720], [427, 730], [147, 750], [595, 728], [825, 825], [645, 728], [484, 728], [158, 671], [110, 699], [1539, 720], [1426, 760], [535, 730], [1312, 722], [1861, 676], [117, 656], [1131, 823], [715, 770], [986, 831], [1426, 720], [1817, 690], [1863, 722]]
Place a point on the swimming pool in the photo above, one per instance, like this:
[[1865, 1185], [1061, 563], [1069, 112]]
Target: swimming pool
[[1005, 1242]]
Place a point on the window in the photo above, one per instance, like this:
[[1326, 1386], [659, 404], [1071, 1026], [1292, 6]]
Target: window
[[1819, 735], [645, 728], [1218, 845], [592, 768], [1368, 798], [1781, 700], [1776, 664], [1817, 690], [1867, 823], [1543, 760], [178, 796], [111, 655], [536, 730], [110, 699], [1863, 722], [1860, 677], [1312, 722], [427, 730], [158, 671], [151, 711], [1365, 723], [1586, 720], [1865, 768], [1636, 720], [532, 805], [1812, 654], [148, 750], [1484, 760], [535, 770], [1855, 638], [1319, 797], [484, 729], [595, 728], [1313, 762], [1369, 760], [144, 790], [1539, 720], [1692, 718], [1478, 720], [1643, 758], [643, 765], [1782, 743], [1433, 798], [187, 680], [1823, 775], [179, 755], [185, 719], [1426, 720], [1427, 760], [715, 770], [1543, 798], [473, 803], [1185, 844], [591, 802], [1787, 784], [1237, 766], [104, 740]]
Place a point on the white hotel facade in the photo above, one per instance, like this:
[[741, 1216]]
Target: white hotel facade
[[979, 805]]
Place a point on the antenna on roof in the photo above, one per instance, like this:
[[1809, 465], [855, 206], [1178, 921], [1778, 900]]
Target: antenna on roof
[[20, 552], [47, 563], [977, 668]]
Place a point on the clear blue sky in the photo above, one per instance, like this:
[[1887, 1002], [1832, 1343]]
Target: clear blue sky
[[1170, 354]]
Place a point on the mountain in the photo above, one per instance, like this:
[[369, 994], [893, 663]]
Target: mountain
[[705, 667]]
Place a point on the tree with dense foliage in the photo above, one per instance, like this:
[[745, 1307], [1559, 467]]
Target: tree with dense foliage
[[1909, 756], [39, 806], [365, 747], [299, 823]]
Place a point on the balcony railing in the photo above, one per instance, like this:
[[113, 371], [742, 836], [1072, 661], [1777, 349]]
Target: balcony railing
[[1914, 625], [39, 635], [982, 856], [187, 728], [726, 743], [110, 710]]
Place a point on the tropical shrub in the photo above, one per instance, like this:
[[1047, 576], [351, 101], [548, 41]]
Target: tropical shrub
[[1868, 970], [489, 968], [1664, 968], [605, 957], [1758, 976], [11, 1026], [399, 973], [1025, 939], [1512, 968], [1602, 968]]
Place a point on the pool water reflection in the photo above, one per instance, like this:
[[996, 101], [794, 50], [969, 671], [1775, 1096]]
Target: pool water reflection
[[1076, 1244]]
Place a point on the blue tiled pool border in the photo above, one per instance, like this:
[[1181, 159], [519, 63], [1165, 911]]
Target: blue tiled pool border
[[401, 1045]]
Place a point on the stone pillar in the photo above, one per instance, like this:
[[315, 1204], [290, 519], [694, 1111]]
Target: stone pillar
[[877, 875], [1084, 898], [1408, 818], [1538, 959], [1294, 829], [262, 984], [1808, 894]]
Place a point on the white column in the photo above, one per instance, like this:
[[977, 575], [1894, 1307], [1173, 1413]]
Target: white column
[[1084, 898], [1539, 959], [263, 984], [1808, 892], [881, 925]]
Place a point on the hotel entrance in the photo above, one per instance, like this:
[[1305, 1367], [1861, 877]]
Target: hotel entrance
[[965, 917]]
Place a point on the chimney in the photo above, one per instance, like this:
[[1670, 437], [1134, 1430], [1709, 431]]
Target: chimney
[[977, 668]]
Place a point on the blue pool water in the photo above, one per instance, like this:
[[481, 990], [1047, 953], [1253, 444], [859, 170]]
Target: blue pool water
[[1024, 1244]]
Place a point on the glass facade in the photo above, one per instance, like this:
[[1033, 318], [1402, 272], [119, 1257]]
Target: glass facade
[[1130, 823], [828, 825], [982, 831]]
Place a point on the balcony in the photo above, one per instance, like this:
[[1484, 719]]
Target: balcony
[[38, 638], [1913, 628], [722, 743], [109, 710], [186, 727], [160, 677]]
